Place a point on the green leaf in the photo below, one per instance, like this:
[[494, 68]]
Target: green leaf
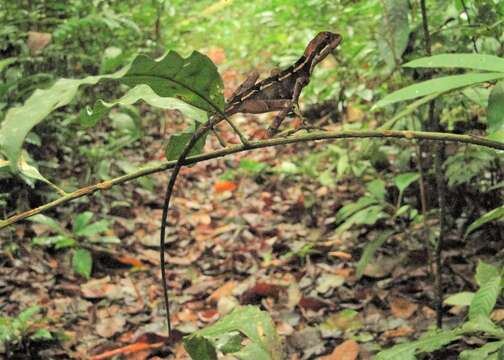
[[389, 124], [485, 298], [485, 272], [28, 314], [46, 220], [483, 324], [20, 120], [253, 323], [367, 216], [6, 331], [463, 298], [21, 322], [81, 221], [252, 166], [32, 172], [177, 143], [253, 352], [492, 215], [41, 334], [402, 181], [496, 136], [495, 108], [129, 167], [287, 168], [229, 342], [482, 352], [465, 61], [194, 80], [107, 240], [439, 85], [369, 251], [377, 189], [200, 348], [82, 262], [479, 95], [348, 210], [94, 228], [403, 210], [58, 241], [428, 343], [113, 58], [64, 243], [6, 62], [89, 117], [394, 32]]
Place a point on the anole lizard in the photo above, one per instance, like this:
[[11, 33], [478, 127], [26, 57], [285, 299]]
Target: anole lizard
[[279, 92]]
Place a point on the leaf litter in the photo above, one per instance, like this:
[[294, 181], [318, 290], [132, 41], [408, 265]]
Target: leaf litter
[[253, 239]]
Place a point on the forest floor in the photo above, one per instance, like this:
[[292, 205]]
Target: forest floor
[[266, 239]]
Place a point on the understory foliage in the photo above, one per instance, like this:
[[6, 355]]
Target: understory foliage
[[81, 82]]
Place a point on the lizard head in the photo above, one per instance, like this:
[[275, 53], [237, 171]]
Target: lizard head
[[325, 41]]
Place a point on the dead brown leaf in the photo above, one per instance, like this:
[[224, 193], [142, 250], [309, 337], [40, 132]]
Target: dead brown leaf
[[224, 185], [37, 41], [209, 315], [217, 55], [187, 315], [402, 308], [311, 303], [259, 291], [400, 332], [348, 350], [110, 322], [224, 290], [354, 114], [97, 288], [200, 217], [497, 315], [341, 254]]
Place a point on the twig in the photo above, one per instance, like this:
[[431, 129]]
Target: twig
[[218, 116], [423, 204], [473, 39], [219, 138], [433, 123], [313, 136]]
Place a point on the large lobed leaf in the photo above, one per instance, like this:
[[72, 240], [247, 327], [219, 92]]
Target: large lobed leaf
[[90, 116], [20, 120], [193, 80], [178, 142]]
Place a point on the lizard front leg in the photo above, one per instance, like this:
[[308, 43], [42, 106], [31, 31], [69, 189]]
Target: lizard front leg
[[293, 106]]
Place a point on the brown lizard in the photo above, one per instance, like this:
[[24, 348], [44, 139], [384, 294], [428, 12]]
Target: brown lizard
[[279, 92]]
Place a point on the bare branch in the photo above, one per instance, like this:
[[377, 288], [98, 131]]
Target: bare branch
[[320, 135]]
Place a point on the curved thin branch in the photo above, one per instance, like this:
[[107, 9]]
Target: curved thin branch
[[324, 135]]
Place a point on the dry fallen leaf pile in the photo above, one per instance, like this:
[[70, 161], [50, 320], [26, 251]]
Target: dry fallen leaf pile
[[248, 240]]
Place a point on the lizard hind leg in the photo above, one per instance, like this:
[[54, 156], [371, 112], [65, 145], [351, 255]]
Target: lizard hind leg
[[292, 107], [277, 121]]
